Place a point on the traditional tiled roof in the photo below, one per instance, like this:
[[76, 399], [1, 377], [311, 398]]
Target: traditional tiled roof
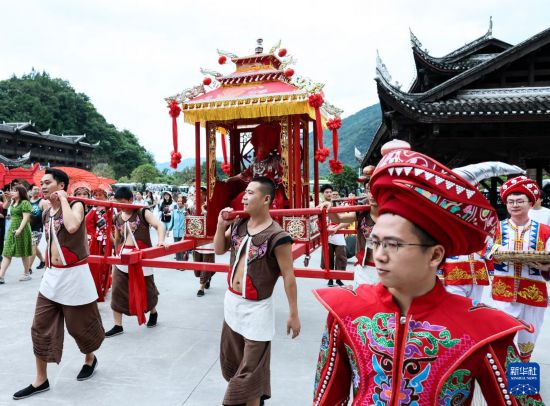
[[260, 86], [15, 162], [28, 129], [483, 104], [449, 100], [467, 56]]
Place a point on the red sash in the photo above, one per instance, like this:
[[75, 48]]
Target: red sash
[[137, 291]]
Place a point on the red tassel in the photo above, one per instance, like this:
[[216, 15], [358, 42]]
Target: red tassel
[[316, 101], [175, 156], [226, 168], [334, 124]]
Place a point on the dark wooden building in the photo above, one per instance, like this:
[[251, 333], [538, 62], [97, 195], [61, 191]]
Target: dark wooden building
[[488, 100], [18, 139]]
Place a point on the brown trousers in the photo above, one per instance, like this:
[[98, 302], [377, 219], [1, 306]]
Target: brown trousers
[[83, 324], [245, 365], [337, 257], [119, 297], [204, 275]]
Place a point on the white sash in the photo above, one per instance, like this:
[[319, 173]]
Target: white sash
[[53, 237]]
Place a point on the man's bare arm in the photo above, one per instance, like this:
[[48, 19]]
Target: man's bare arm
[[223, 233], [73, 215], [283, 253], [156, 224]]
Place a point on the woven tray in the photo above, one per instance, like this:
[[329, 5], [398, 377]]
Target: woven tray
[[522, 256]]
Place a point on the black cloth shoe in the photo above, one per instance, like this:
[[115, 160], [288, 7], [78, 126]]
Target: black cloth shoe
[[207, 285], [330, 283], [152, 320], [200, 293], [31, 390], [30, 271], [87, 371], [339, 282], [42, 265], [116, 330]]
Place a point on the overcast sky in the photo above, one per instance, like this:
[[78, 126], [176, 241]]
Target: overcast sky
[[128, 55]]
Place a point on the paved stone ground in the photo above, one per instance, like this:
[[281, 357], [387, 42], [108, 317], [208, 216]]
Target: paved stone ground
[[175, 363]]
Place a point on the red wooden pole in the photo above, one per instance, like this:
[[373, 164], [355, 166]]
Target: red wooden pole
[[315, 167], [207, 151], [299, 212], [297, 166], [198, 168], [290, 162], [305, 158]]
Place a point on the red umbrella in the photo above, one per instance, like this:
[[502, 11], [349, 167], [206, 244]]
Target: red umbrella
[[77, 178], [105, 184], [9, 175]]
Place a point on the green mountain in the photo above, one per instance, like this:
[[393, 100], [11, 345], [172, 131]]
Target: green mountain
[[52, 103], [357, 131]]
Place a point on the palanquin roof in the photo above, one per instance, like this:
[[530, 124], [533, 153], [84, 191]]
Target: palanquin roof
[[262, 85]]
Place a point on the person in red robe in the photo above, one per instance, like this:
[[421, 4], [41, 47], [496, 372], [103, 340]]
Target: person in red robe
[[406, 340], [96, 227], [265, 140]]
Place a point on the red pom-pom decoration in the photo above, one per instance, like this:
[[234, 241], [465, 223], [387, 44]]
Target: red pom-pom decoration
[[336, 166], [334, 123], [322, 154], [174, 109], [282, 52], [316, 100], [222, 59], [226, 168], [289, 72], [206, 81], [175, 159]]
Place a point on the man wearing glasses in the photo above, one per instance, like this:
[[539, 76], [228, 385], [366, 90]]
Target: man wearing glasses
[[519, 289], [406, 340]]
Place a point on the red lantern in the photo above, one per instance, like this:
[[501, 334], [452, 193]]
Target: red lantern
[[289, 72], [222, 59], [282, 52], [206, 81]]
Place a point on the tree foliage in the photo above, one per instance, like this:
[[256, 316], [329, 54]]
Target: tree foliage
[[186, 176], [346, 181], [145, 173], [104, 170], [52, 103]]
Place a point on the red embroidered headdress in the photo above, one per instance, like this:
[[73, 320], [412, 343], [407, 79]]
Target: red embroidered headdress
[[521, 184], [440, 202]]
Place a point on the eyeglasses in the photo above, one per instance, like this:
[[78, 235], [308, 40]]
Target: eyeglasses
[[516, 202], [391, 246]]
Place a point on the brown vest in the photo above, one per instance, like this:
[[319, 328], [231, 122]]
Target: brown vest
[[262, 268], [73, 246], [138, 225]]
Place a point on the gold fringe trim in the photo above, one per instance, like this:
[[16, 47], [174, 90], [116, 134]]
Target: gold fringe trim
[[244, 109]]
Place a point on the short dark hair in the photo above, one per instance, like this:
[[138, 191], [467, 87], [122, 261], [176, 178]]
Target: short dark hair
[[424, 237], [59, 176], [325, 187], [267, 186], [124, 193]]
